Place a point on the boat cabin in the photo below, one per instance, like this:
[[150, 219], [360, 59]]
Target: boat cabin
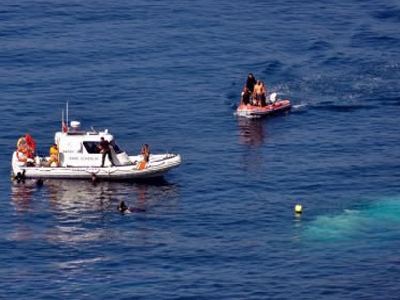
[[79, 148]]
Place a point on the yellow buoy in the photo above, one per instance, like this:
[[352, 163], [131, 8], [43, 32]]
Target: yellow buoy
[[298, 209]]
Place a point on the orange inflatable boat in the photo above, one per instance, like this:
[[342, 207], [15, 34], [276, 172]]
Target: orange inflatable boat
[[252, 111]]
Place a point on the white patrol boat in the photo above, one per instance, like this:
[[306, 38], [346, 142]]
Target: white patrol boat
[[78, 157]]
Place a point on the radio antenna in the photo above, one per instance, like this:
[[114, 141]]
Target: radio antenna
[[67, 114]]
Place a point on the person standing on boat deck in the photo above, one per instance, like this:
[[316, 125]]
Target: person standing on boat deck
[[105, 150], [257, 93], [263, 94], [250, 82]]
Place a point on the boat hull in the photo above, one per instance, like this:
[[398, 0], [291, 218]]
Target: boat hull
[[251, 111], [158, 165]]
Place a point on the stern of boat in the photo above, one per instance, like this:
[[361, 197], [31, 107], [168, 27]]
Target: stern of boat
[[16, 165], [159, 162]]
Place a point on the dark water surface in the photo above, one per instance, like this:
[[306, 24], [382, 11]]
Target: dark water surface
[[222, 225]]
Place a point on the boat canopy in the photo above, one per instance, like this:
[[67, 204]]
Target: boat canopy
[[78, 148]]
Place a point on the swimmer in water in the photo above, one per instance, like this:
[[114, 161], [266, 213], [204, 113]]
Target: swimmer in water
[[124, 209]]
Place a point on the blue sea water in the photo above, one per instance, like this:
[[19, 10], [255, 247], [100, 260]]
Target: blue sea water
[[169, 73]]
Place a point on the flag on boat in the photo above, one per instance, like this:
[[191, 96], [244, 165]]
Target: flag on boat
[[64, 127]]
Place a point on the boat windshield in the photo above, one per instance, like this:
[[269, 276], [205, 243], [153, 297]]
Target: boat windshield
[[94, 147], [115, 147]]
